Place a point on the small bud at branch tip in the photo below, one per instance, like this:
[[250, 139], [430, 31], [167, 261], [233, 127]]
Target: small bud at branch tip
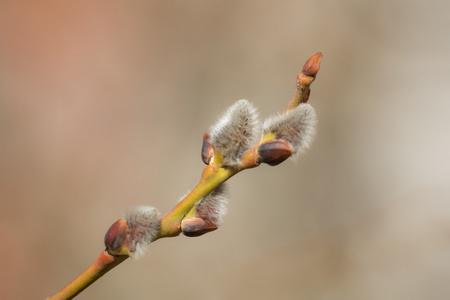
[[312, 65]]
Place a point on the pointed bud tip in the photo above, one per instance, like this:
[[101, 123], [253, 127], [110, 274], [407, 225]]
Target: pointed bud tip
[[312, 65], [274, 152], [116, 236]]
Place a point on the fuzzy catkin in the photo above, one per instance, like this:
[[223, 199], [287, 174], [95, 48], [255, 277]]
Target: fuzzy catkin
[[235, 132], [213, 206], [297, 127], [144, 223]]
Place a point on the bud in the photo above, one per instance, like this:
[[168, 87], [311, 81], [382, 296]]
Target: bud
[[194, 227], [306, 97], [312, 65], [274, 152], [115, 237], [207, 149], [235, 132], [296, 127]]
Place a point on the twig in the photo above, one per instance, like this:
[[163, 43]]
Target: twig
[[233, 145]]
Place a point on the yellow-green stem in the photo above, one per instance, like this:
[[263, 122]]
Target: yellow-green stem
[[211, 178], [301, 91], [103, 264], [213, 175]]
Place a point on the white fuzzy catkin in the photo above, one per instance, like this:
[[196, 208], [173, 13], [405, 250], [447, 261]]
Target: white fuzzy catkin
[[143, 226], [235, 132], [214, 206], [297, 127]]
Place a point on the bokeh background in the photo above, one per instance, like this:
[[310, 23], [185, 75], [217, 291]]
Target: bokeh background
[[103, 105]]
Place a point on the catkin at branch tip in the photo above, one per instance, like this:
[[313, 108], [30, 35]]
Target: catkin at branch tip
[[235, 132], [297, 127], [144, 223]]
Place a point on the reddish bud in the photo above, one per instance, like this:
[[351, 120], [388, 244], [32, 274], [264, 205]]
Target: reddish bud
[[116, 236], [312, 65], [207, 149], [274, 152], [306, 97], [193, 227]]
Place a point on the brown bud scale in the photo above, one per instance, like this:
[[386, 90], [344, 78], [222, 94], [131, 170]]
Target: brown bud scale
[[116, 235], [274, 152], [312, 65], [193, 227], [207, 149]]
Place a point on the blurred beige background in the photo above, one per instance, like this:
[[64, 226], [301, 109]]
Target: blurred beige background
[[103, 105]]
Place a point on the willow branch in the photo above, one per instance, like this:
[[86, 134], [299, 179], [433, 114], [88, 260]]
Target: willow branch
[[231, 148]]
